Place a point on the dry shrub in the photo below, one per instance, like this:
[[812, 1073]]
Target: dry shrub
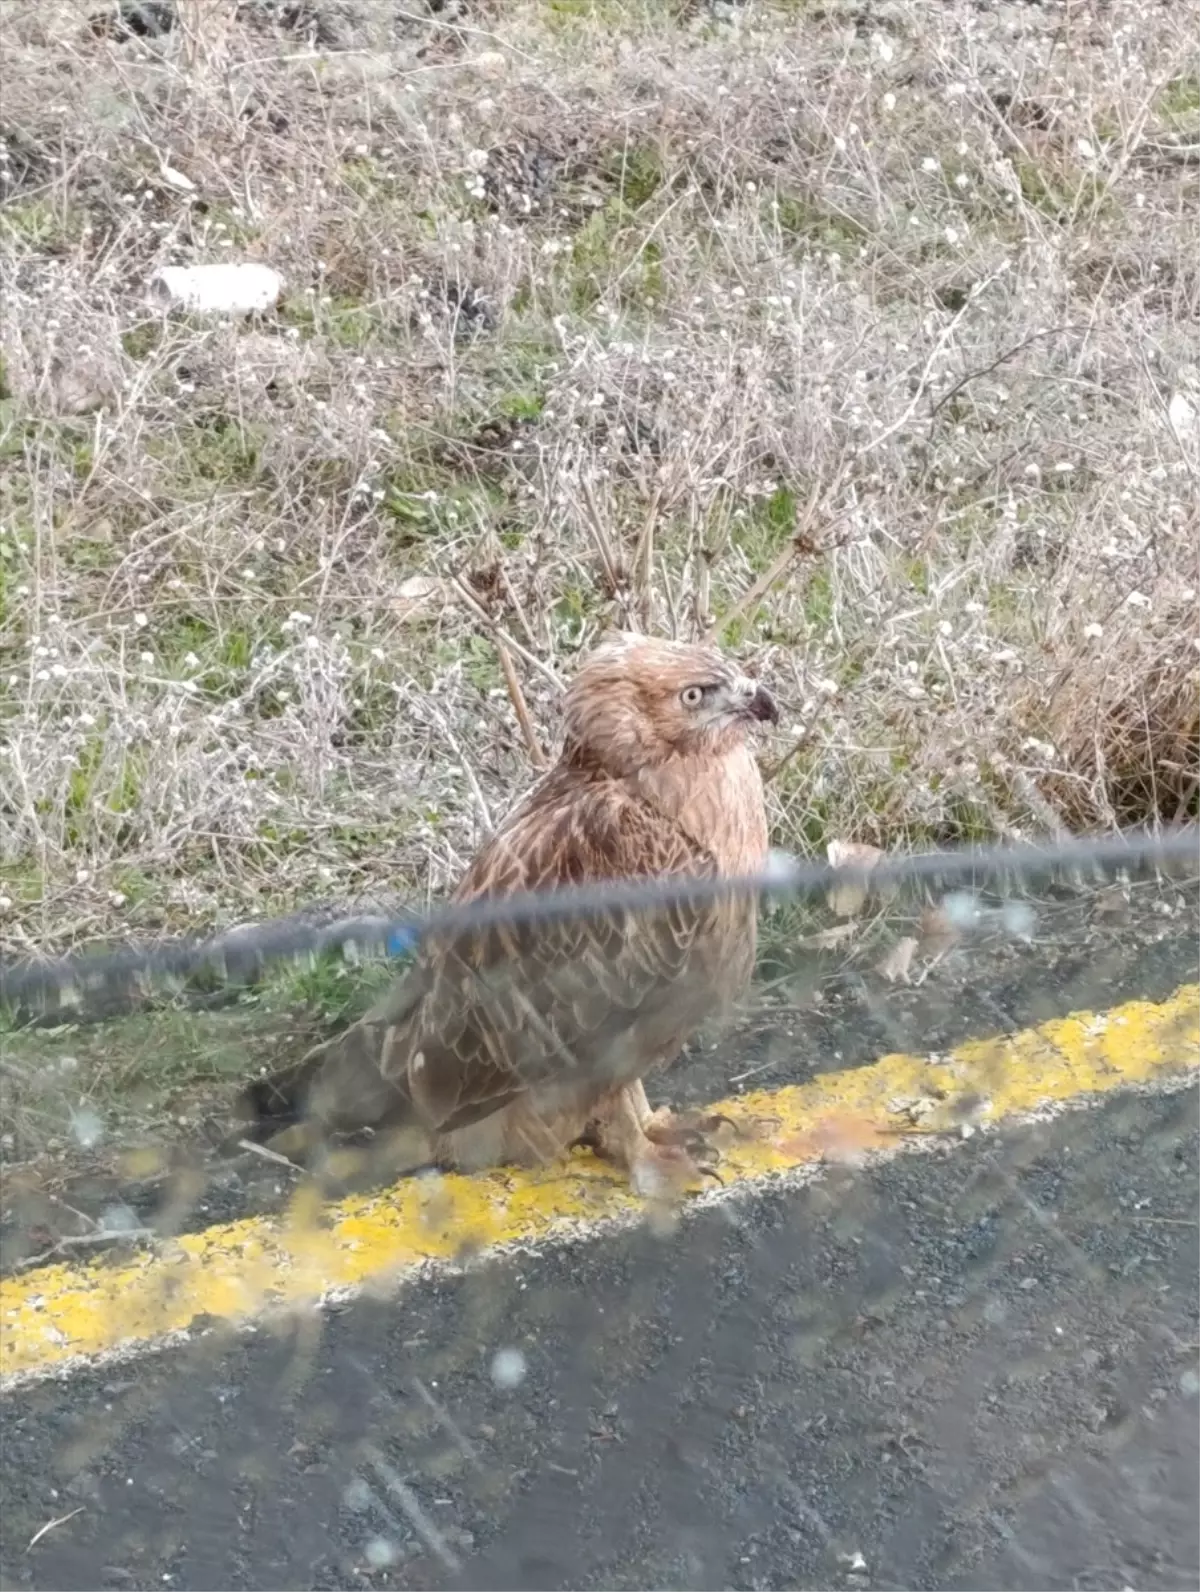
[[592, 314], [1126, 721]]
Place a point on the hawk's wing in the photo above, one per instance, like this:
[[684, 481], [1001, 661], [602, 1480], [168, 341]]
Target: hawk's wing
[[589, 1000]]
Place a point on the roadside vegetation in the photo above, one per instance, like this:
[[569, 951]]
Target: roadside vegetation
[[867, 338]]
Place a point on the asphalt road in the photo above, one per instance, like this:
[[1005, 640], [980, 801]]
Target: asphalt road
[[970, 1368]]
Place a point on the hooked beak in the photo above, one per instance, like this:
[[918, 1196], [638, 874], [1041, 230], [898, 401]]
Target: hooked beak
[[757, 703]]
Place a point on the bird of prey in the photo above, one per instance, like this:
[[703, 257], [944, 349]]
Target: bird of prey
[[507, 1043]]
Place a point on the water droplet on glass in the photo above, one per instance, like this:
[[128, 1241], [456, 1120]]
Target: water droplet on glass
[[1019, 920], [508, 1368], [118, 1219], [962, 909], [380, 1552], [87, 1127], [357, 1495]]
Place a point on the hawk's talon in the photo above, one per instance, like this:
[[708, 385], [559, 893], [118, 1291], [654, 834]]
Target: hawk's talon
[[667, 1127], [702, 1152], [715, 1120]]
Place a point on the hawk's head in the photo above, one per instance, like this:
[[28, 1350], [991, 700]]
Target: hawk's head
[[636, 700]]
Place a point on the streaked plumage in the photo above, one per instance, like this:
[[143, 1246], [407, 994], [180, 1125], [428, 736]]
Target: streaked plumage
[[511, 1042]]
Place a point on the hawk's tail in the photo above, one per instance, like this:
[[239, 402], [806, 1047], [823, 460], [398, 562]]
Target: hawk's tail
[[269, 1105], [338, 1089]]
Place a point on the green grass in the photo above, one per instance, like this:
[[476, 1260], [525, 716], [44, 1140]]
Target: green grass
[[342, 319], [1180, 100], [215, 450], [216, 652], [1061, 192], [805, 222], [336, 992], [40, 224], [175, 1054], [635, 173], [763, 531], [101, 789]]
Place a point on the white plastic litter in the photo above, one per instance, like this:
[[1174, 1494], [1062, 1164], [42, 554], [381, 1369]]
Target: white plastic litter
[[217, 289]]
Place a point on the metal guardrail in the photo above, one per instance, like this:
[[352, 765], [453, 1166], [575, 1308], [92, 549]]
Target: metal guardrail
[[116, 977]]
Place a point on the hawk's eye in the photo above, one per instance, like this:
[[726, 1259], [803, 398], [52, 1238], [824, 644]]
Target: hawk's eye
[[692, 695]]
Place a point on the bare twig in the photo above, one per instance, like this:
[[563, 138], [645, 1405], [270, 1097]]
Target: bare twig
[[497, 632], [935, 353], [801, 545], [753, 594], [614, 570], [268, 1155], [132, 1235], [793, 751], [408, 1501], [516, 696], [643, 564], [994, 364], [485, 814], [59, 1520]]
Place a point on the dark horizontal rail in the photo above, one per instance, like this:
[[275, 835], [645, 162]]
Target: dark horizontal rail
[[241, 951]]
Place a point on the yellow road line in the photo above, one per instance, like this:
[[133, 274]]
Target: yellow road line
[[242, 1270]]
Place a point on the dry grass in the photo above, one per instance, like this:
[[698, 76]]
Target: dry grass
[[593, 307]]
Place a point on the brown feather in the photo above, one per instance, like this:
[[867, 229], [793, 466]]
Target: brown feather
[[500, 1041]]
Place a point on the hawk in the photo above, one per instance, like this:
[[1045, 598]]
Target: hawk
[[509, 1042]]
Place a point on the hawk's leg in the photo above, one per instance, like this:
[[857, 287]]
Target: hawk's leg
[[691, 1129], [659, 1157]]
